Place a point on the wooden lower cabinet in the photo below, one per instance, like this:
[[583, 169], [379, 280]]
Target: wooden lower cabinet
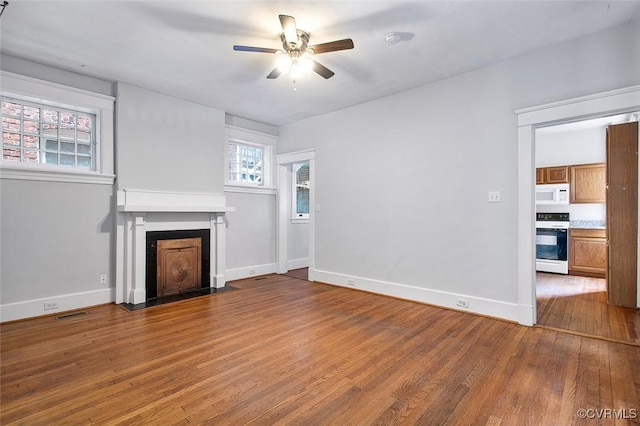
[[588, 252]]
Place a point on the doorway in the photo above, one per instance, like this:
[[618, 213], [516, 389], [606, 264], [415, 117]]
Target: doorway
[[296, 210], [591, 298], [600, 105]]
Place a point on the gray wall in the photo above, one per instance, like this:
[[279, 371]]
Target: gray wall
[[56, 238], [251, 231], [167, 144], [403, 180]]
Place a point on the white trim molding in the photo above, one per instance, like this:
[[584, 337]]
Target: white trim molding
[[249, 271], [476, 305], [65, 302], [132, 200], [603, 104], [26, 172]]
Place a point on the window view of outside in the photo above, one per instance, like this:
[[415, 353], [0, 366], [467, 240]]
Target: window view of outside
[[302, 189], [33, 133], [245, 164]]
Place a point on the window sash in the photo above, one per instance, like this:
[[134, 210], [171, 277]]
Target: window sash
[[245, 163], [300, 190], [34, 133]]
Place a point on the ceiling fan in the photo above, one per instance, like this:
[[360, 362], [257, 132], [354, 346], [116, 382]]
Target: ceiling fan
[[295, 55]]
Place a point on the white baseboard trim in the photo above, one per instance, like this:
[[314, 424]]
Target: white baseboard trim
[[65, 302], [476, 305], [249, 271], [298, 263]]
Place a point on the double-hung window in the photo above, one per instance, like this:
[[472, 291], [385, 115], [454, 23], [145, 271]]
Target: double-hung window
[[37, 133]]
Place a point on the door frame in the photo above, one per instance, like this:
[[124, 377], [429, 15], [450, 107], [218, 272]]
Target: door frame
[[577, 109], [283, 203]]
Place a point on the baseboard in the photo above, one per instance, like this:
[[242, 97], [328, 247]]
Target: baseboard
[[298, 263], [249, 271], [63, 303], [476, 305]]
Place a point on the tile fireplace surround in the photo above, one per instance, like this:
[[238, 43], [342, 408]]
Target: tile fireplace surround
[[143, 211]]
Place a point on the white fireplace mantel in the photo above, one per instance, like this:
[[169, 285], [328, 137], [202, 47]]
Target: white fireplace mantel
[[131, 200], [142, 211]]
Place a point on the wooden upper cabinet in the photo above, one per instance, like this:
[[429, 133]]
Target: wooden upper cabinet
[[588, 183], [558, 174]]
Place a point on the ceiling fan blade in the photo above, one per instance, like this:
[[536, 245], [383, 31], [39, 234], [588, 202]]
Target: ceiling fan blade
[[254, 49], [322, 70], [332, 46], [289, 28], [274, 74]]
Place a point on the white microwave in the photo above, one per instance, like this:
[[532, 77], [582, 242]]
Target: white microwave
[[552, 194]]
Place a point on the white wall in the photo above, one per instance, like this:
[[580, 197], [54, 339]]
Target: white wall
[[56, 239], [559, 148], [251, 234], [403, 181], [168, 144]]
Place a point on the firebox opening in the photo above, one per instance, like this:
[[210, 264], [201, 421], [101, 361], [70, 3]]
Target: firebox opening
[[174, 263]]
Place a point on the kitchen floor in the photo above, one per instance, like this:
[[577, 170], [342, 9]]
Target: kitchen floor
[[579, 305]]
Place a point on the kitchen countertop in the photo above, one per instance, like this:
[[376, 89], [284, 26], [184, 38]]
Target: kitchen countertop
[[587, 224]]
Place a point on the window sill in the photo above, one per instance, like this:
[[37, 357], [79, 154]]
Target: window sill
[[250, 189], [25, 172], [296, 220]]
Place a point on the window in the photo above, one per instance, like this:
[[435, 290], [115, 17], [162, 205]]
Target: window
[[249, 161], [300, 190], [245, 163], [36, 133]]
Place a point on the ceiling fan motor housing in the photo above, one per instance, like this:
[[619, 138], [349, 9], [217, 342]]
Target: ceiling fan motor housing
[[299, 46]]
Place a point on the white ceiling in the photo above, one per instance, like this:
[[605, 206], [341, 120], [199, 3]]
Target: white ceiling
[[184, 48]]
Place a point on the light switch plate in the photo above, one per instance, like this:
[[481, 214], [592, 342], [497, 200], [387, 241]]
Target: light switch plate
[[494, 196]]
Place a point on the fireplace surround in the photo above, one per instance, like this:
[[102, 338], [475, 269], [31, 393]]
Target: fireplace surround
[[142, 213]]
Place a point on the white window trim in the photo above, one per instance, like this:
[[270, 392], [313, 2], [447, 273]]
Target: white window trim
[[251, 137], [43, 92]]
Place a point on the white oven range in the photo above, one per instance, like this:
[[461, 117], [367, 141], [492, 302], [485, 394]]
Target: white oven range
[[552, 243]]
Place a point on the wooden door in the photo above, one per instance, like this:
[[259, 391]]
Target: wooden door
[[622, 213]]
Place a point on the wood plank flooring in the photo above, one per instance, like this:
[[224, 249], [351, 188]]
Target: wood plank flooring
[[579, 304], [280, 350]]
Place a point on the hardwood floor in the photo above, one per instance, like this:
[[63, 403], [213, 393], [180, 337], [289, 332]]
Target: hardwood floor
[[280, 350], [579, 304]]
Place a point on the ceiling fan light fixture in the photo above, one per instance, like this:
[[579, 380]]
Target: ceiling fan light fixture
[[283, 62], [306, 63], [296, 71]]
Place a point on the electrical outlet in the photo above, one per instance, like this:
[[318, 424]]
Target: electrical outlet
[[494, 196], [103, 279], [50, 305], [463, 303], [252, 271], [351, 283]]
